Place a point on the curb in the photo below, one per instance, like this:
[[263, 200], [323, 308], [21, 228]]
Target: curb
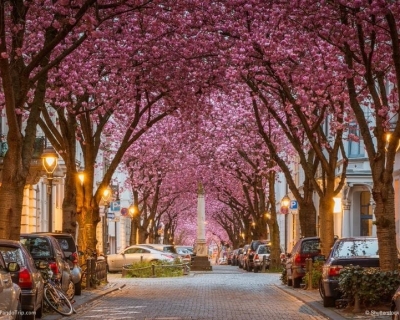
[[98, 296], [313, 304], [78, 306]]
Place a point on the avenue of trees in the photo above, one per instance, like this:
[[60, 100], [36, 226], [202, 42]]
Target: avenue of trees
[[229, 93]]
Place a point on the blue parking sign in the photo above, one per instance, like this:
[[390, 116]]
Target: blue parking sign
[[293, 205]]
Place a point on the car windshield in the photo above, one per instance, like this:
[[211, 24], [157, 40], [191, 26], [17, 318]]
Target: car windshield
[[169, 249], [38, 247], [310, 246], [67, 244], [357, 248], [263, 250], [12, 254]]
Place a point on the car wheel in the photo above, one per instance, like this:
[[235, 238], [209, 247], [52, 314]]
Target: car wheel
[[296, 282], [328, 302], [78, 288]]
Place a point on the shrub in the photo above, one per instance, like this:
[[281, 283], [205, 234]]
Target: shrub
[[283, 277], [161, 269], [371, 284]]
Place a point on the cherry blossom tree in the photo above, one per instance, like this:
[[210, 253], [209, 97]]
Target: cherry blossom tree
[[36, 37], [363, 45]]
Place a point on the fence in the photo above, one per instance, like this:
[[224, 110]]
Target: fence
[[95, 273], [185, 268]]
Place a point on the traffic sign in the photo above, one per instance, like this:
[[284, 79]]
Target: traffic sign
[[293, 205], [124, 212], [115, 206], [110, 215]]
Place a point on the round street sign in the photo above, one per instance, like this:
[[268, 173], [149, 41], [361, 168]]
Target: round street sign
[[124, 212]]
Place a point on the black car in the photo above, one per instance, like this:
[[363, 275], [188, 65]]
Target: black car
[[70, 249], [47, 248], [296, 260], [357, 251], [27, 277]]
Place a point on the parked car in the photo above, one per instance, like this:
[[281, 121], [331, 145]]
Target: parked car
[[70, 249], [185, 254], [235, 257], [166, 248], [296, 260], [230, 257], [47, 248], [28, 278], [10, 293], [251, 251], [242, 256], [357, 251], [134, 254], [262, 251]]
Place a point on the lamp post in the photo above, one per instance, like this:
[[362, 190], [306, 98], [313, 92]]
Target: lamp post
[[285, 210], [49, 160], [106, 196], [132, 211]]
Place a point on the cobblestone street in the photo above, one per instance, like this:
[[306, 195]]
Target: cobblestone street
[[224, 293]]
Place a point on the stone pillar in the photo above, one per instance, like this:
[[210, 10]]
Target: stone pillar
[[346, 232], [201, 262]]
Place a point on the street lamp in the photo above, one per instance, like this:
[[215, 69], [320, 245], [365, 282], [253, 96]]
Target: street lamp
[[106, 196], [133, 213], [285, 202], [81, 176], [49, 160]]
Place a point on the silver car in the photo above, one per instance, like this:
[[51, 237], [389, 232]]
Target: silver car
[[10, 293], [134, 254]]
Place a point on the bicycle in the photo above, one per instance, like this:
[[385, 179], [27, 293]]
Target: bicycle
[[90, 254], [55, 298]]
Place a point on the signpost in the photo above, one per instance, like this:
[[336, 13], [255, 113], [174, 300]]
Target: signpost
[[293, 205]]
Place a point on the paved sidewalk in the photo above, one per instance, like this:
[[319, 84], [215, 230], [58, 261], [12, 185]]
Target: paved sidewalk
[[88, 296], [314, 300]]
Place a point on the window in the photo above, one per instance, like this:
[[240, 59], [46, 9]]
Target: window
[[12, 254], [357, 248], [365, 214], [356, 148], [310, 247]]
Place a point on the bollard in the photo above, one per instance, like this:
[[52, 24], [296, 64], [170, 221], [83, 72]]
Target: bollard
[[88, 272], [264, 263], [309, 268], [93, 272], [153, 270]]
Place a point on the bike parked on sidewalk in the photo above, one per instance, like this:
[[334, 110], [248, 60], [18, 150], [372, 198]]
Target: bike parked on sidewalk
[[54, 297]]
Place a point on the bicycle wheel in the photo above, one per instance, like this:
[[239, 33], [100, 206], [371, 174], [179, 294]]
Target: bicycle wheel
[[58, 301]]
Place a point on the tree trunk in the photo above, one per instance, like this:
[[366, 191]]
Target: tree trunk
[[326, 222], [308, 218], [70, 204], [385, 225], [88, 220]]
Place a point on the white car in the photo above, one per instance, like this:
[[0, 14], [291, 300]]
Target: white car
[[262, 251], [134, 254]]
